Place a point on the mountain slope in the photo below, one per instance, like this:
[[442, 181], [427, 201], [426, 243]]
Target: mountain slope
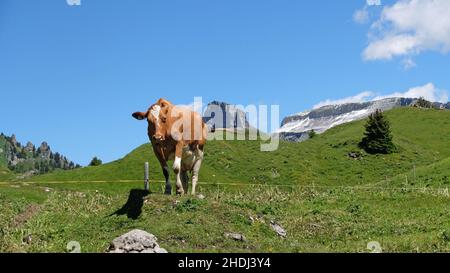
[[297, 127], [321, 218], [433, 175], [422, 136], [29, 160], [223, 115], [5, 174]]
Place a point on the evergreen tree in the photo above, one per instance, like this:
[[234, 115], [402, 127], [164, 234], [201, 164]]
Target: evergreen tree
[[95, 162], [377, 138], [312, 133], [22, 154], [423, 103], [57, 156]]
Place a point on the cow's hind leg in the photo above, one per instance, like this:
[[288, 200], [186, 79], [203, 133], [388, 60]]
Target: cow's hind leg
[[180, 190], [185, 180], [195, 171]]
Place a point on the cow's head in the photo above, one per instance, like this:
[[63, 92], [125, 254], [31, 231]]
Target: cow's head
[[156, 117]]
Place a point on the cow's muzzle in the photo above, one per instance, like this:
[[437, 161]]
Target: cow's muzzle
[[158, 138]]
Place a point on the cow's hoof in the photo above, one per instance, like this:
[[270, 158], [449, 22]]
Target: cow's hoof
[[180, 192]]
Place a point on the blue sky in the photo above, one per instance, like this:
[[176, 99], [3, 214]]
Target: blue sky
[[72, 75]]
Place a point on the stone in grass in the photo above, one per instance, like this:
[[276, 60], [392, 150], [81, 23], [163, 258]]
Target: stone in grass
[[27, 239], [278, 229], [235, 236], [136, 241], [175, 203], [201, 196]]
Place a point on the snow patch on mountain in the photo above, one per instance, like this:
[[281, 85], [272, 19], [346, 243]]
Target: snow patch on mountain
[[297, 127]]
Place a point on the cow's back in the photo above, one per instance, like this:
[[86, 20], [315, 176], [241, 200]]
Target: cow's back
[[188, 124]]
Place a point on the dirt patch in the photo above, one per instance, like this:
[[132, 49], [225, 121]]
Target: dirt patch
[[24, 216]]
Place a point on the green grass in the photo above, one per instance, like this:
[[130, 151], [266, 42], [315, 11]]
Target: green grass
[[325, 200], [5, 174], [430, 176], [3, 162], [316, 220], [421, 135]]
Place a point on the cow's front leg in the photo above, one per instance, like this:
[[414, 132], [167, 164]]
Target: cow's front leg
[[166, 173], [165, 168], [177, 167]]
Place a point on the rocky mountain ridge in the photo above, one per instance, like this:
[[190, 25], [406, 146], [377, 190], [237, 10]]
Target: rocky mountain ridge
[[221, 115], [297, 127], [28, 159]]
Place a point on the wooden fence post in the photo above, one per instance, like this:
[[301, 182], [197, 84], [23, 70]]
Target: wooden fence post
[[146, 177]]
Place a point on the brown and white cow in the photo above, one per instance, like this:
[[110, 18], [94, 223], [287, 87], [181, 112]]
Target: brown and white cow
[[178, 134]]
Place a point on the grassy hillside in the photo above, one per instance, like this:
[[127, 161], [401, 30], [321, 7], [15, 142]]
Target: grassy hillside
[[433, 175], [3, 162], [5, 174], [326, 201], [421, 135]]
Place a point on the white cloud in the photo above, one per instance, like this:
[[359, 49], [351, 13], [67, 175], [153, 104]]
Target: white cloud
[[361, 16], [373, 2], [427, 91], [408, 28], [408, 63], [361, 97]]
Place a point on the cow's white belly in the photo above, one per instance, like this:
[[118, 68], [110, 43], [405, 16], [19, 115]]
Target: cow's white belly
[[188, 158]]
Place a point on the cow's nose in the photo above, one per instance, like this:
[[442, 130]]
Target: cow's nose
[[158, 138]]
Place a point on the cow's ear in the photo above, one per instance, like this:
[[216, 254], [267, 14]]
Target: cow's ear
[[140, 115], [163, 102]]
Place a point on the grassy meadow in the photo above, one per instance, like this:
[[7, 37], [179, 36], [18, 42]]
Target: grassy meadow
[[324, 199]]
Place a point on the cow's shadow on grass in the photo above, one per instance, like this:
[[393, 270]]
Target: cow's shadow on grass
[[133, 206]]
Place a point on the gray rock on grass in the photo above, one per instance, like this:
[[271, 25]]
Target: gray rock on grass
[[235, 236], [136, 241], [278, 229]]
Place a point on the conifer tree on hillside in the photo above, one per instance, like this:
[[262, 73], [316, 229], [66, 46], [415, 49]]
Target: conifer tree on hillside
[[96, 162], [423, 103], [377, 138]]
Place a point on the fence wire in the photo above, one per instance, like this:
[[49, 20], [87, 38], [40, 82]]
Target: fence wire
[[440, 190]]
